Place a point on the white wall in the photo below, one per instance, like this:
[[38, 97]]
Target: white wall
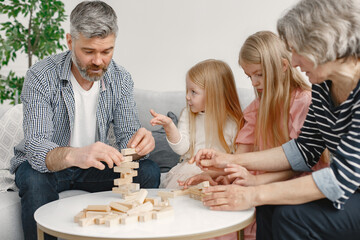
[[159, 40]]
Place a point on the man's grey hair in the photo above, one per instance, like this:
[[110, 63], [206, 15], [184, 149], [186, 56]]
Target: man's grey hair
[[323, 30], [93, 19]]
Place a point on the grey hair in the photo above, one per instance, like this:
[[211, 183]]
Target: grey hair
[[93, 19], [323, 30]]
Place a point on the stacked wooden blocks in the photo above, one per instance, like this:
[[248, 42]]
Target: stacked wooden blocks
[[125, 184], [194, 192]]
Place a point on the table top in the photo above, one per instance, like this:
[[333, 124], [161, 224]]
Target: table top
[[191, 220]]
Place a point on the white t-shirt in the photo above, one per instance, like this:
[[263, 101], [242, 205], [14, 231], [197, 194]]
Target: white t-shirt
[[84, 131]]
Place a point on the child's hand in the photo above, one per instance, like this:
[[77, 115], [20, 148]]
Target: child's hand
[[194, 180], [242, 175], [159, 119]]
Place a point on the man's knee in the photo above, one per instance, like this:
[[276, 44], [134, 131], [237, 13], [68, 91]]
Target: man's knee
[[33, 182], [149, 174]]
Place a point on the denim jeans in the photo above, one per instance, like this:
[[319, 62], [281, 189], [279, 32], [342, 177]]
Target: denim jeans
[[37, 189]]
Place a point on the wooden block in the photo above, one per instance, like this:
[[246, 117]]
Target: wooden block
[[119, 207], [79, 216], [129, 165], [122, 181], [154, 201], [202, 185], [95, 213], [180, 192], [164, 213], [100, 208], [127, 159], [129, 219], [140, 197], [166, 195], [145, 216], [87, 221], [146, 207], [128, 175], [121, 191], [112, 220], [128, 151], [119, 169]]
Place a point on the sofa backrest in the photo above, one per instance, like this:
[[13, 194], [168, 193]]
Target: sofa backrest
[[174, 101]]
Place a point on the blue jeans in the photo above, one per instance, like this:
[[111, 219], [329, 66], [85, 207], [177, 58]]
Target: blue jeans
[[314, 220], [37, 189]]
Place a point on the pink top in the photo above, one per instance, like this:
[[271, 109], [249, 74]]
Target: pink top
[[299, 105]]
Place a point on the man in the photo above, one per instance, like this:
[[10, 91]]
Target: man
[[70, 100]]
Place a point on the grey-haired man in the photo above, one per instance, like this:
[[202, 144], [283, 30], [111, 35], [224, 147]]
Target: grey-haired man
[[70, 100]]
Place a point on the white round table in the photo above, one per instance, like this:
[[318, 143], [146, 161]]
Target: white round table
[[191, 220]]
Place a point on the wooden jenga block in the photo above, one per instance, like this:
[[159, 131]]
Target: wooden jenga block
[[119, 169], [129, 165], [100, 208], [146, 207], [180, 192], [128, 151], [141, 195], [154, 201], [132, 173], [129, 219], [87, 221], [202, 185], [166, 212], [79, 216], [122, 181], [165, 195], [124, 191], [127, 159], [119, 207], [112, 220], [145, 216], [95, 213]]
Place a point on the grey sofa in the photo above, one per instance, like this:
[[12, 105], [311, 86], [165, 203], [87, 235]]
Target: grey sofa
[[11, 132]]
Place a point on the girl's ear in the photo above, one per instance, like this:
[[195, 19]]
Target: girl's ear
[[285, 64]]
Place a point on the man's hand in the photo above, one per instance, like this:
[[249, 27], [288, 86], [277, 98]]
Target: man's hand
[[229, 197], [199, 178], [94, 155], [142, 141], [209, 159]]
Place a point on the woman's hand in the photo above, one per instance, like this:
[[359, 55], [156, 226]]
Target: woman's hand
[[229, 197], [209, 159], [199, 178], [241, 175]]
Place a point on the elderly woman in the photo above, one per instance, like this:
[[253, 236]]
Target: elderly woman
[[324, 37]]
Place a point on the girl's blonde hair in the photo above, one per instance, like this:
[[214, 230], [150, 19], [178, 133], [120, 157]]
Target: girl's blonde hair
[[267, 49], [221, 101]]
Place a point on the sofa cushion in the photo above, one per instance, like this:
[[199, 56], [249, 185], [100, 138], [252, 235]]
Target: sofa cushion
[[11, 133], [163, 155]]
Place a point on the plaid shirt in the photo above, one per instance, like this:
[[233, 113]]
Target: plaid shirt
[[49, 107]]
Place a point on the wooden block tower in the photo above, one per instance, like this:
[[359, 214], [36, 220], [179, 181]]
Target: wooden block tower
[[124, 184]]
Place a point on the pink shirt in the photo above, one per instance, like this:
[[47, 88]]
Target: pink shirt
[[299, 105]]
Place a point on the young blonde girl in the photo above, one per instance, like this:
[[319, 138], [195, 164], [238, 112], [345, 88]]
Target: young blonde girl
[[211, 118], [278, 112]]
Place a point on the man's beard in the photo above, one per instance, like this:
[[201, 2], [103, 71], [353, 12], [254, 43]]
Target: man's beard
[[84, 70]]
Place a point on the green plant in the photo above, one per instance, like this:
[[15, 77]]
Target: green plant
[[40, 36]]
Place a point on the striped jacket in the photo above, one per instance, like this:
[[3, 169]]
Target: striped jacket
[[338, 129], [49, 107]]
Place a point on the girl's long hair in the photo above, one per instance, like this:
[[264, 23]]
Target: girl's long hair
[[221, 102], [267, 49]]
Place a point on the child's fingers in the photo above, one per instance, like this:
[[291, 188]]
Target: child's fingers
[[153, 113]]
